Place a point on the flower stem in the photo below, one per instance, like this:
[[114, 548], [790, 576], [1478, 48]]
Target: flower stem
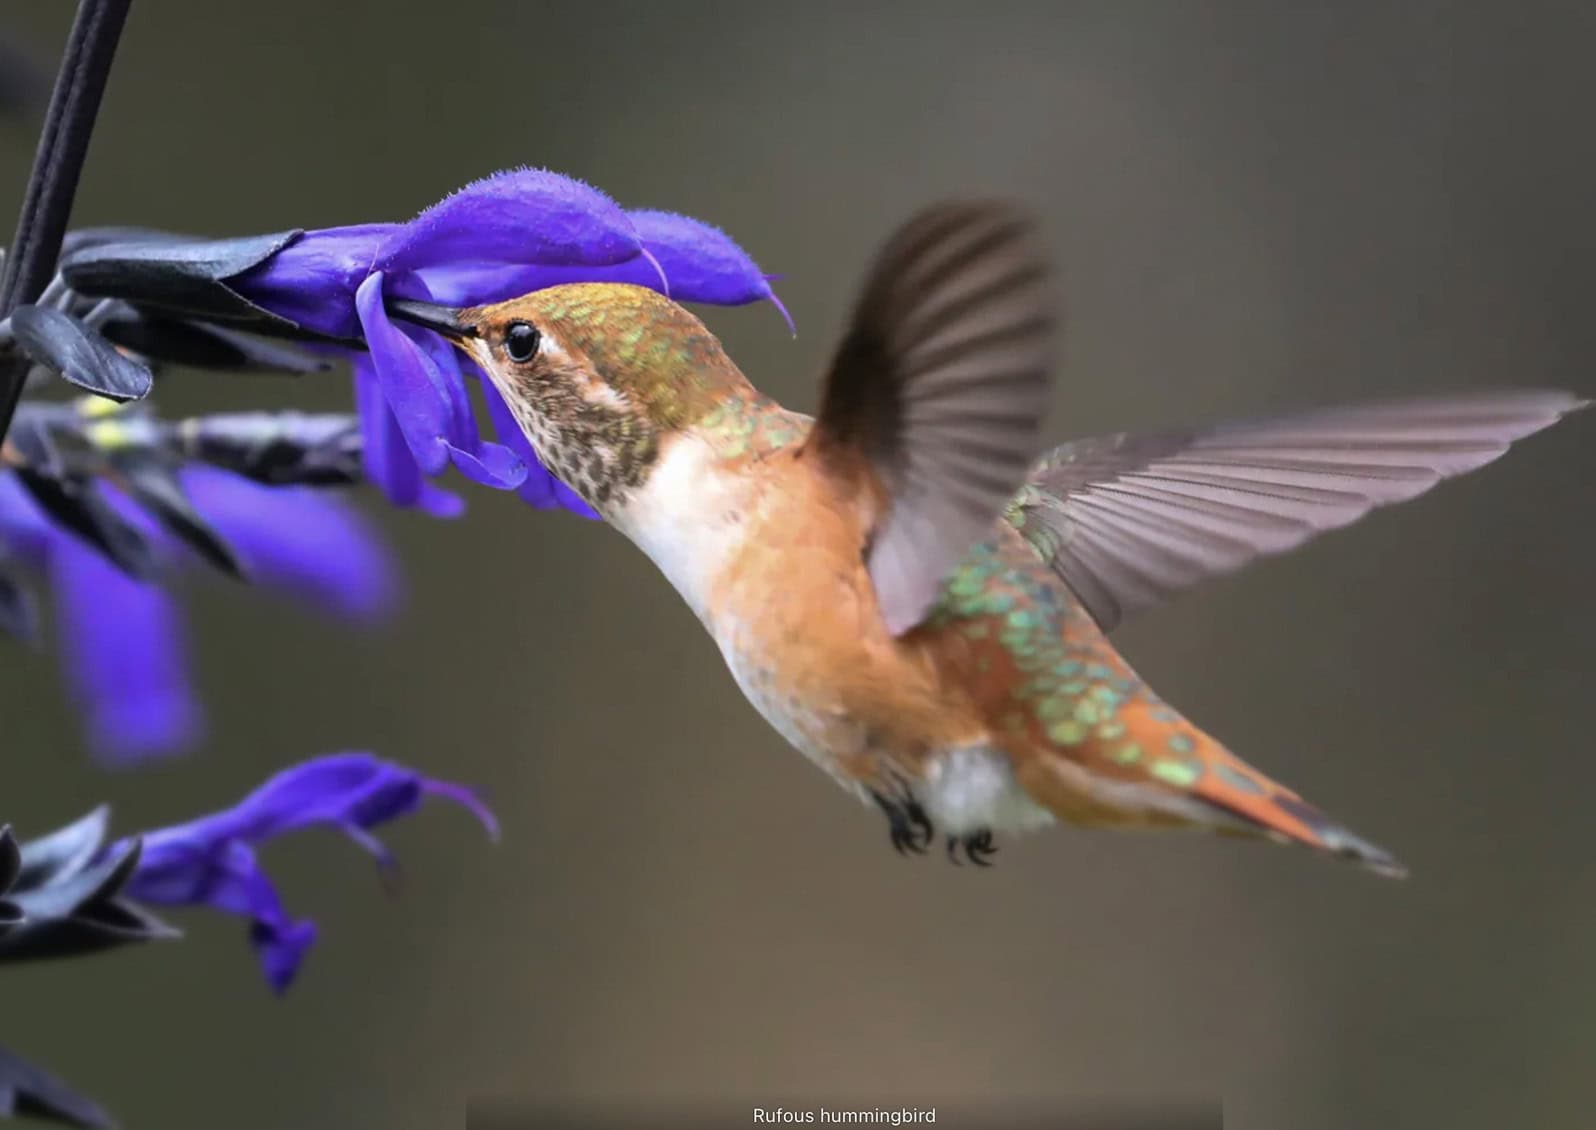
[[30, 261]]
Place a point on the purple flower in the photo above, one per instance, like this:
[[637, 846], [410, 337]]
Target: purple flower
[[122, 640], [304, 281], [503, 236], [518, 216], [211, 861], [124, 652]]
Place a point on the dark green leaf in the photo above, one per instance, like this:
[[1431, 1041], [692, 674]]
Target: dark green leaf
[[78, 354]]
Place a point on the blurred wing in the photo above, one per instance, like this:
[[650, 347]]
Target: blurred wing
[[939, 386], [1127, 520]]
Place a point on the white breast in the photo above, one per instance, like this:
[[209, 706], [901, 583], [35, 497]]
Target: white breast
[[687, 517]]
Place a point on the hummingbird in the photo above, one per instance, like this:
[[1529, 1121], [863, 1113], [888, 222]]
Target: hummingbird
[[908, 586]]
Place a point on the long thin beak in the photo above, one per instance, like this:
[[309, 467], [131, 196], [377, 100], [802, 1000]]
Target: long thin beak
[[444, 319]]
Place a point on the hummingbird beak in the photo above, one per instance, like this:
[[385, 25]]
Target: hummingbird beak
[[446, 320]]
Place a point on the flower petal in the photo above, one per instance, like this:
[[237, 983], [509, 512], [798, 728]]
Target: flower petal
[[211, 861], [312, 281], [306, 542], [479, 460], [466, 799], [491, 464], [703, 262], [124, 653], [386, 458], [338, 789], [385, 455], [518, 216], [479, 284], [25, 532], [281, 948], [225, 875], [570, 500], [436, 502], [409, 381]]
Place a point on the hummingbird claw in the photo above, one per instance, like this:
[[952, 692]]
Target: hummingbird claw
[[980, 847], [977, 847], [907, 824]]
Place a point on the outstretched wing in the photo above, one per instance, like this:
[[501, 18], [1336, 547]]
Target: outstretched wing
[[1127, 520], [938, 389]]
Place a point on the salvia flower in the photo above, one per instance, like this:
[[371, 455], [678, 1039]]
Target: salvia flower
[[212, 862], [497, 238], [68, 893], [106, 541]]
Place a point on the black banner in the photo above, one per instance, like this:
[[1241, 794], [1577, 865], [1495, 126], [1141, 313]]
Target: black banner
[[1086, 1115]]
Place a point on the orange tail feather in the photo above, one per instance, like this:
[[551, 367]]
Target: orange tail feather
[[1234, 787]]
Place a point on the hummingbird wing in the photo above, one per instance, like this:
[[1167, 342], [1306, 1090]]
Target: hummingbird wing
[[939, 387], [1128, 520]]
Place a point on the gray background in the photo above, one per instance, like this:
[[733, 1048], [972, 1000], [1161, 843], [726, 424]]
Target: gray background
[[1256, 208]]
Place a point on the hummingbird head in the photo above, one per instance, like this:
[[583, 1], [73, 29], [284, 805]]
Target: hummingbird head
[[596, 374]]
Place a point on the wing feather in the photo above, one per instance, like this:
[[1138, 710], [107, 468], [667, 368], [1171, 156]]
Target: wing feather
[[1128, 520], [940, 384]]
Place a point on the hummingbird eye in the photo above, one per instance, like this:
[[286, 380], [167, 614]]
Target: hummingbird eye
[[521, 341]]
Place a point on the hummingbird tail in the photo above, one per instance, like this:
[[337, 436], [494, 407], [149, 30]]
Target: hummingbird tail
[[1225, 794], [1283, 816]]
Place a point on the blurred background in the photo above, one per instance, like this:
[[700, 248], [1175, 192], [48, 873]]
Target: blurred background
[[1257, 208]]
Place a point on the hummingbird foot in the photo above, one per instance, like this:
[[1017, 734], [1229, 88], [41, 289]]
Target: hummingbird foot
[[977, 847], [908, 824]]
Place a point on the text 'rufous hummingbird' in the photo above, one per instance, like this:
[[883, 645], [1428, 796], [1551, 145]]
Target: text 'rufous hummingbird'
[[901, 586]]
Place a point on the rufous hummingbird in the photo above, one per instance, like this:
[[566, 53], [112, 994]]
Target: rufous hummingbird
[[904, 586]]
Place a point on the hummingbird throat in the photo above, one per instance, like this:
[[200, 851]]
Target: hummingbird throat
[[598, 446]]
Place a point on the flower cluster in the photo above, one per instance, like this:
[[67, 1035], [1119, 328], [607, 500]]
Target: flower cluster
[[68, 893], [211, 861], [106, 502], [104, 505]]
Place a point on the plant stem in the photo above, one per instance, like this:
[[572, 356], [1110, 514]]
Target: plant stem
[[30, 261]]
